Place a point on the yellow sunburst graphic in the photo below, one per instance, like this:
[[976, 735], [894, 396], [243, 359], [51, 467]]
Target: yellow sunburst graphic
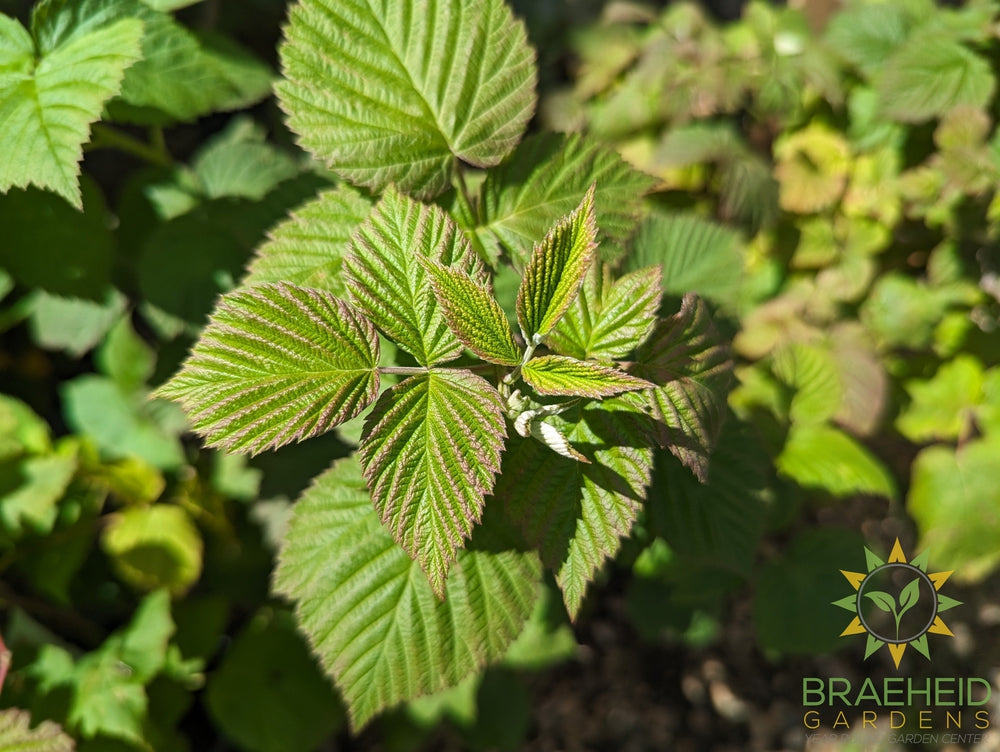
[[903, 602]]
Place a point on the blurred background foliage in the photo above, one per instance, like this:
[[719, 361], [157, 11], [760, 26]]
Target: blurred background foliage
[[827, 178]]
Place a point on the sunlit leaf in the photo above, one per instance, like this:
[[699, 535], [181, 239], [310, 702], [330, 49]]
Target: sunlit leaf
[[430, 450], [277, 364], [391, 287], [308, 248], [825, 458], [558, 375], [52, 88], [371, 615], [609, 319], [390, 92], [543, 181], [473, 314], [556, 269]]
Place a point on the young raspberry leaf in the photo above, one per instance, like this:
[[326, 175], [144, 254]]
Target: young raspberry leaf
[[691, 366], [388, 283], [609, 319], [370, 615], [430, 450], [277, 364], [558, 375], [473, 314], [576, 513], [557, 267]]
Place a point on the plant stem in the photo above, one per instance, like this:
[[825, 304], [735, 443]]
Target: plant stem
[[105, 137], [462, 189], [402, 370]]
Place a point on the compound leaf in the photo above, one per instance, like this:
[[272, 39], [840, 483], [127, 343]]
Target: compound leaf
[[543, 181], [576, 513], [308, 248], [557, 267], [390, 286], [369, 612], [48, 103], [277, 364], [558, 375], [473, 314], [388, 92], [430, 450], [609, 319], [692, 370]]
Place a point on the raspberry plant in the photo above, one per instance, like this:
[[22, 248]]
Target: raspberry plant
[[485, 453]]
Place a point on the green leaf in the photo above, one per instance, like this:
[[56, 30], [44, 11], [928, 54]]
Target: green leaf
[[608, 319], [142, 645], [73, 325], [556, 270], [811, 370], [239, 163], [185, 74], [945, 406], [692, 370], [716, 523], [17, 734], [543, 181], [954, 499], [125, 357], [430, 450], [168, 6], [49, 245], [555, 375], [277, 364], [576, 513], [792, 599], [389, 93], [186, 263], [124, 423], [108, 696], [473, 314], [30, 490], [388, 283], [268, 695], [369, 612], [695, 255], [308, 249], [50, 98], [817, 456], [867, 34], [883, 600], [154, 547], [22, 430], [930, 75]]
